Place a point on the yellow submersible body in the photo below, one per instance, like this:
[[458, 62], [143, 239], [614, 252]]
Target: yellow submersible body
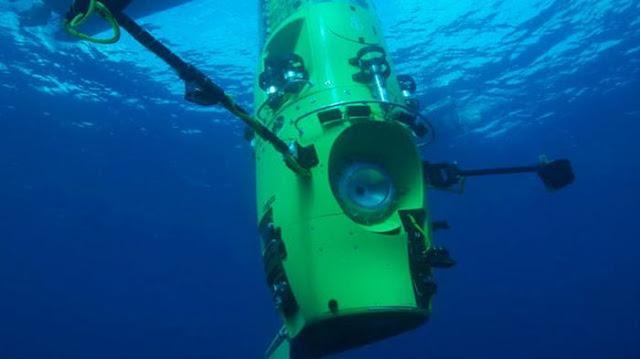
[[345, 246]]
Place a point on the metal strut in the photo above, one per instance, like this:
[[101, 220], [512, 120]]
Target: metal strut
[[554, 174], [199, 88]]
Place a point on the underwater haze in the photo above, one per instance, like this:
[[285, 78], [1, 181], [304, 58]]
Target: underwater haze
[[128, 219]]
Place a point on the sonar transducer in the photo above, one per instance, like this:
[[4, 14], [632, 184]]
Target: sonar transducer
[[346, 236]]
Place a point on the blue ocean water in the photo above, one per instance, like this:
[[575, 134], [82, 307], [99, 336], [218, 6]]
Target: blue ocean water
[[127, 217]]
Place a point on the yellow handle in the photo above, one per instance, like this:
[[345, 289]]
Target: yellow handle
[[418, 228], [103, 11]]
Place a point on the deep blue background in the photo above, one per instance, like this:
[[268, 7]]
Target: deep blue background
[[117, 242]]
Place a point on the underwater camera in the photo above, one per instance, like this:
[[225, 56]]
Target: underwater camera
[[341, 188]]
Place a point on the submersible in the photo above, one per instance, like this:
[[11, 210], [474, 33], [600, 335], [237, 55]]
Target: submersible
[[343, 221], [345, 247]]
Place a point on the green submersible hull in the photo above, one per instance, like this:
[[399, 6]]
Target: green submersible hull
[[344, 246]]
